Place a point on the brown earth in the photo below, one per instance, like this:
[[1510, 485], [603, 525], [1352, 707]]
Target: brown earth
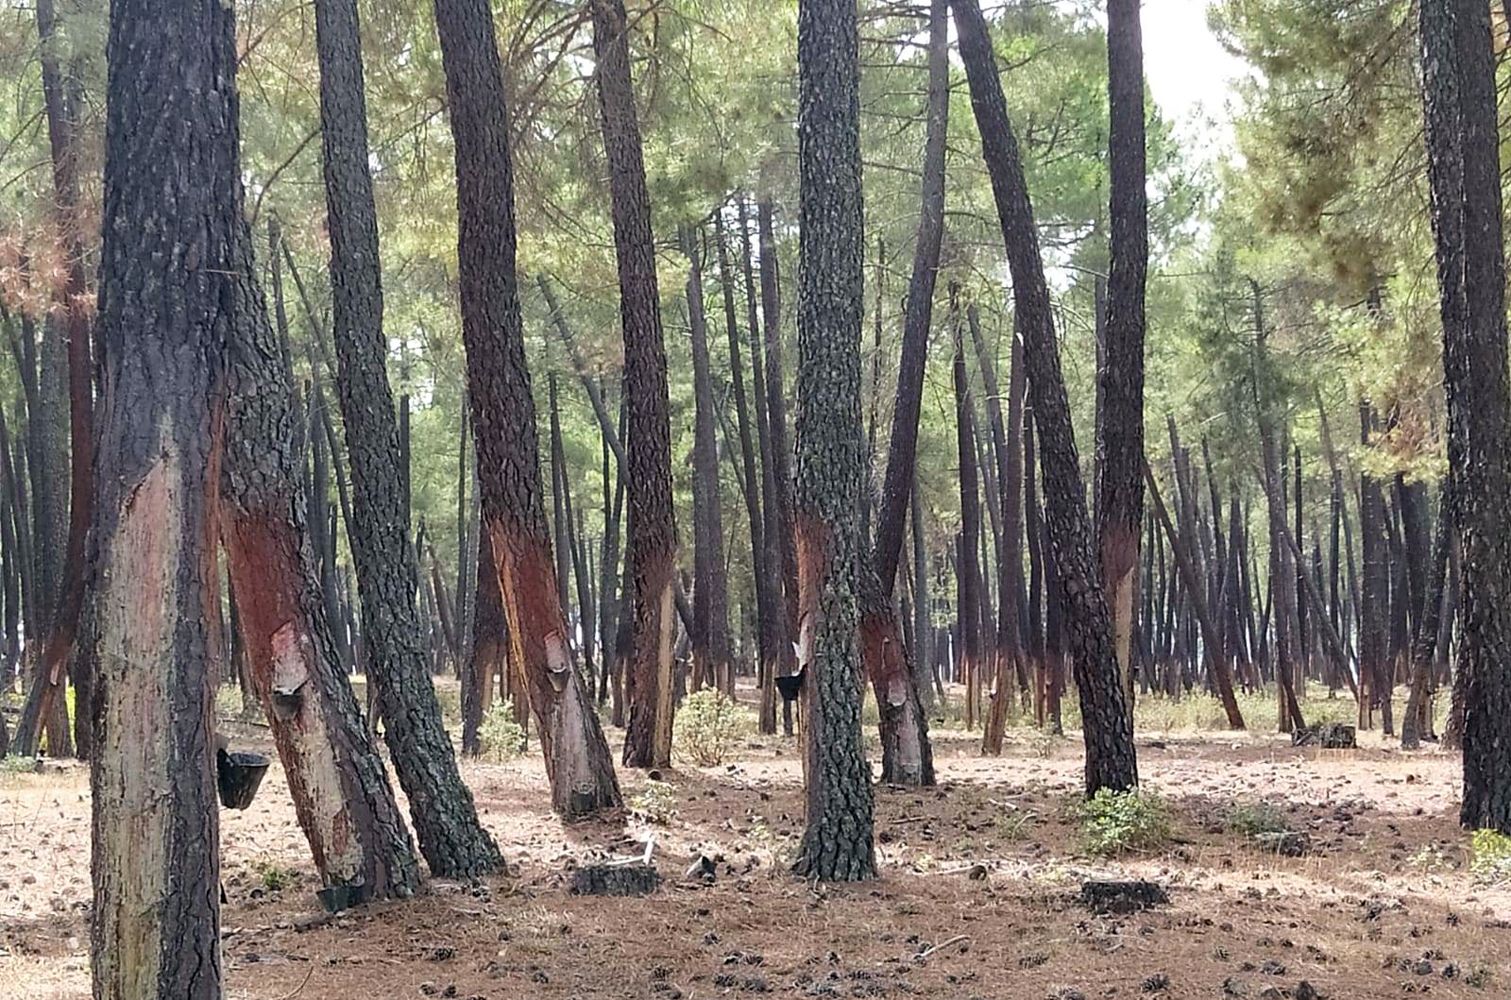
[[977, 897]]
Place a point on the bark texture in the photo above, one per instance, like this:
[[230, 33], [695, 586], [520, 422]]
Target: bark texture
[[652, 551], [166, 311], [1464, 173], [1107, 722], [452, 840], [576, 753], [1120, 446], [831, 449]]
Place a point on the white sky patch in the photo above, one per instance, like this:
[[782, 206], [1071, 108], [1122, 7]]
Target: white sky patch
[[1190, 74]]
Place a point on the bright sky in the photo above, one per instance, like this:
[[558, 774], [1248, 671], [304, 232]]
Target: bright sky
[[1189, 72]]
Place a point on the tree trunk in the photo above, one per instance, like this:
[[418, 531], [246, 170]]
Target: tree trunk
[[336, 778], [1107, 723], [577, 758], [1120, 448], [1212, 645], [166, 311], [652, 524], [710, 633], [1416, 721], [452, 840], [1375, 589], [831, 455], [776, 405], [1464, 171], [968, 604], [773, 638]]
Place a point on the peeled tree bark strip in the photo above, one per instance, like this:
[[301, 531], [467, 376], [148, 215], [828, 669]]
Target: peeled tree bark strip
[[578, 763]]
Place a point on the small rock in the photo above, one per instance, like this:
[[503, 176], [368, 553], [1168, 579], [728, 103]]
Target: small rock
[[1157, 983]]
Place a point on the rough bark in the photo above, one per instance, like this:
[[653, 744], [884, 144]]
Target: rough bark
[[776, 403], [166, 311], [652, 524], [342, 798], [968, 587], [577, 758], [831, 449], [452, 840], [1464, 173], [1120, 447], [1111, 761]]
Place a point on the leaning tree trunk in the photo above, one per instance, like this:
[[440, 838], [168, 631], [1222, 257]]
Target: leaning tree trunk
[[336, 778], [1107, 723], [452, 839], [577, 758], [907, 757], [1120, 447], [1464, 172], [968, 604], [167, 303], [831, 450], [652, 550]]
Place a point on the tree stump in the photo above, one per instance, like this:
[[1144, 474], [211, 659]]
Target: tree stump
[[615, 880]]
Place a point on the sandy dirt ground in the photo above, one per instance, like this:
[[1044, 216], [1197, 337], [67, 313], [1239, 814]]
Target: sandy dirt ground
[[977, 898]]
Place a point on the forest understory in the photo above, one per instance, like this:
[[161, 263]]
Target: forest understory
[[979, 895]]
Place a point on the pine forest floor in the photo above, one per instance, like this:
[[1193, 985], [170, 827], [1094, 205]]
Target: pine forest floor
[[977, 899]]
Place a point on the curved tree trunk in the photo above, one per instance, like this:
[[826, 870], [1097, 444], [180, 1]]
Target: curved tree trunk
[[1107, 723], [451, 838], [652, 524], [831, 449], [576, 753]]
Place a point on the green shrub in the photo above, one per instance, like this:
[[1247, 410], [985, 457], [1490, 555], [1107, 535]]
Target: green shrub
[[499, 735], [708, 726], [1118, 822], [1490, 856], [1251, 819], [272, 875], [656, 804]]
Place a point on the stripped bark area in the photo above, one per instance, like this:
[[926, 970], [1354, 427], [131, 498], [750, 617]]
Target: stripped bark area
[[907, 756], [166, 311], [341, 794], [576, 753], [652, 551]]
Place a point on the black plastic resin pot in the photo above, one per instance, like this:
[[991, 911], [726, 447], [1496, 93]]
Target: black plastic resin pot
[[239, 773]]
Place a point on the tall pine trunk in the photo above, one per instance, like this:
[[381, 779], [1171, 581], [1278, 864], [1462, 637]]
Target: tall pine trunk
[[1120, 446], [576, 753], [166, 312], [1464, 171], [451, 838], [652, 554], [831, 448], [1106, 720]]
